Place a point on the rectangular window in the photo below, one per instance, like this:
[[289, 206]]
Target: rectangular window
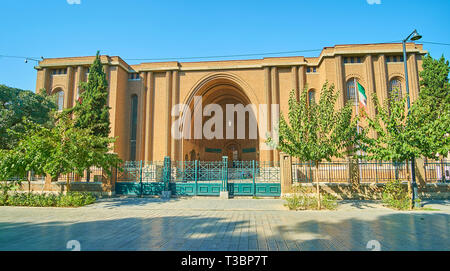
[[396, 59], [134, 76], [58, 71], [133, 132], [308, 70]]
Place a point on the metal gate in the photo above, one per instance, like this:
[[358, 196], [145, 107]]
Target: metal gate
[[200, 178], [141, 178]]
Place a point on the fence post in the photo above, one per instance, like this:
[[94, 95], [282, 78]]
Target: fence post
[[285, 173], [140, 178], [421, 174], [253, 177], [196, 177], [354, 171], [349, 170], [112, 180], [376, 171], [167, 175], [224, 194]]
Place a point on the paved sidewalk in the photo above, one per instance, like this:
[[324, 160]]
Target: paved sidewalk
[[214, 224]]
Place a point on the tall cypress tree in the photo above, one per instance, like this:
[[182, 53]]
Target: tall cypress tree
[[92, 111]]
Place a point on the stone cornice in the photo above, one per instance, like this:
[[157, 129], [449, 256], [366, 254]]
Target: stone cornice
[[228, 65], [370, 52], [80, 63]]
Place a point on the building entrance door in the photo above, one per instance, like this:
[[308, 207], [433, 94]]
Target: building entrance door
[[233, 154]]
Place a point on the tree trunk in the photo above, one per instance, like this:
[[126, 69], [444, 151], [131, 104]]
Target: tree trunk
[[319, 205], [68, 183], [29, 176], [410, 192]]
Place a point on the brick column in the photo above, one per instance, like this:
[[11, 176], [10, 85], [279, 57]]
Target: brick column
[[275, 100], [149, 117], [77, 79], [46, 80], [413, 77], [143, 116], [295, 81], [302, 79], [168, 116], [370, 88], [267, 155], [175, 148], [285, 173], [340, 81], [383, 93], [68, 96]]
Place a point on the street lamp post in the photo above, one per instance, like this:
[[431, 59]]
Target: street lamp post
[[413, 37]]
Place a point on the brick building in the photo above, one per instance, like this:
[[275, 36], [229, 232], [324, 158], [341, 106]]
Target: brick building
[[142, 96]]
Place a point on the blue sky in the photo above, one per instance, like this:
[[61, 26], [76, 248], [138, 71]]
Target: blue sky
[[165, 29]]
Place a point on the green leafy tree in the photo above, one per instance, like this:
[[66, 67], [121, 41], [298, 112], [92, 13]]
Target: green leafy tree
[[394, 135], [59, 150], [15, 104], [430, 114], [423, 131], [317, 132], [92, 111]]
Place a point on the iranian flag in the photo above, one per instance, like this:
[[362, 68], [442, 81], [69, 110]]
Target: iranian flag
[[362, 96]]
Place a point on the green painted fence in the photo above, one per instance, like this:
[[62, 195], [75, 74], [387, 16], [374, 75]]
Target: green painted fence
[[200, 178]]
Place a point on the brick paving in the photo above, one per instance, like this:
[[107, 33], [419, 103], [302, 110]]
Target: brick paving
[[214, 224]]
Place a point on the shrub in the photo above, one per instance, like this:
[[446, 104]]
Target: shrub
[[71, 199], [395, 196], [301, 200]]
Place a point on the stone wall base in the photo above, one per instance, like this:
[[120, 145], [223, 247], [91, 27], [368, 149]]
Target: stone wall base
[[95, 188], [372, 191]]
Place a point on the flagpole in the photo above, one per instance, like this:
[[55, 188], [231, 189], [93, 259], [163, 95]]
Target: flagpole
[[357, 124], [356, 101]]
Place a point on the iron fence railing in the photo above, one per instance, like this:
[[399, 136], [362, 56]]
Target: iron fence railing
[[200, 171], [382, 172], [267, 171], [94, 174], [365, 172], [258, 171], [330, 172], [437, 171], [137, 171]]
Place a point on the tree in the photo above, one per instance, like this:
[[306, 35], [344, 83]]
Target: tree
[[394, 131], [316, 131], [15, 104], [93, 112], [421, 132], [58, 150], [430, 114]]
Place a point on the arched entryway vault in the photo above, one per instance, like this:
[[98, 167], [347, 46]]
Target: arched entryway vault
[[222, 91]]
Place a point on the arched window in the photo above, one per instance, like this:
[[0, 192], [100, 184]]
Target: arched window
[[351, 90], [133, 130], [395, 88], [312, 96], [59, 99]]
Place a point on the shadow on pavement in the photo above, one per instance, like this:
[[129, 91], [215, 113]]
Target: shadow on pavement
[[398, 231]]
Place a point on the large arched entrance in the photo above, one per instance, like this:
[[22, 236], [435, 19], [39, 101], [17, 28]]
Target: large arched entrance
[[222, 112]]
